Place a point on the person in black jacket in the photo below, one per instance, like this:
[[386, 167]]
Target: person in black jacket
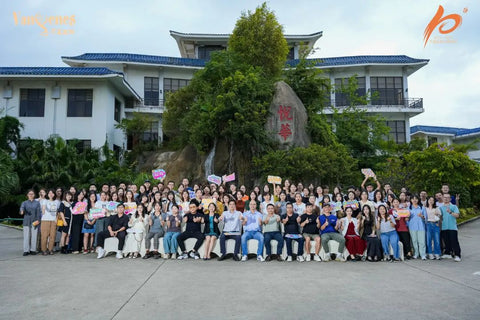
[[193, 220], [211, 230]]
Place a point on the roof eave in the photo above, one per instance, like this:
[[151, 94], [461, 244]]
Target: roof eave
[[102, 62]]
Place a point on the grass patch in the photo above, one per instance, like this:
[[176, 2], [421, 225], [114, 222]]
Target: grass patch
[[467, 214]]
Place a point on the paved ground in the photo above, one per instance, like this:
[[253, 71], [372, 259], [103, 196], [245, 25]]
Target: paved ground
[[82, 287]]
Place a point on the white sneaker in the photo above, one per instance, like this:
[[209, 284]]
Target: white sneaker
[[192, 254], [119, 255], [317, 258], [308, 257], [327, 257], [289, 259], [183, 256], [339, 257], [446, 256], [457, 259], [437, 256], [101, 253], [300, 259], [244, 258], [424, 258], [260, 258], [430, 256], [173, 256]]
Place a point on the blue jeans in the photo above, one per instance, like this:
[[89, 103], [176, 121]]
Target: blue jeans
[[433, 234], [170, 244], [300, 241], [273, 236], [392, 239], [257, 235]]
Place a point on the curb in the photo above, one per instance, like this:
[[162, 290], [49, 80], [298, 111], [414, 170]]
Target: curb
[[11, 227], [468, 221]]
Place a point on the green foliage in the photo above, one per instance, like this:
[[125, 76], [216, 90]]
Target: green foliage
[[9, 182], [228, 99], [9, 133], [316, 164], [258, 39]]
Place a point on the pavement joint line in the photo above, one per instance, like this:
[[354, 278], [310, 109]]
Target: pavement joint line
[[442, 277], [138, 289]]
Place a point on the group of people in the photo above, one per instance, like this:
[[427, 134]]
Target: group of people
[[369, 222]]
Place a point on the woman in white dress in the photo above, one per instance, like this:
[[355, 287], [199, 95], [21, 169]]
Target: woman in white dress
[[136, 233]]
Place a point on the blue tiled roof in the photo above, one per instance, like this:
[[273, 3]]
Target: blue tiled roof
[[53, 71], [354, 60], [140, 58], [464, 132], [434, 129], [320, 62]]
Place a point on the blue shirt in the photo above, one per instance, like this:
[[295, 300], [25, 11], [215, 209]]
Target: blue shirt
[[416, 223], [252, 221], [332, 222], [449, 222]]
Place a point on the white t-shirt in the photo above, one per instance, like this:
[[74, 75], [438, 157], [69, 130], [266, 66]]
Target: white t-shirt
[[51, 208], [299, 208]]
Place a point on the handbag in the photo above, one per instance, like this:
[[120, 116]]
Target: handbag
[[87, 225], [59, 223]]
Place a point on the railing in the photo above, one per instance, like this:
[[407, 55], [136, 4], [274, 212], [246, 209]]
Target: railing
[[413, 103], [154, 105]]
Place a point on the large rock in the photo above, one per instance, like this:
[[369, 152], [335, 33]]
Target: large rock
[[288, 118]]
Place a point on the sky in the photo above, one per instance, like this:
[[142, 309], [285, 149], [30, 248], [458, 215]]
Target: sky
[[449, 84]]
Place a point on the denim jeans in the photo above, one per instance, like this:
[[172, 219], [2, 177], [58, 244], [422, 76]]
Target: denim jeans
[[257, 235], [288, 243], [170, 244], [433, 234], [392, 239], [273, 236]]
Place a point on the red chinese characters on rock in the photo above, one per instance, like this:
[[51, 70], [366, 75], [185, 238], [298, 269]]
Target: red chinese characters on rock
[[285, 116]]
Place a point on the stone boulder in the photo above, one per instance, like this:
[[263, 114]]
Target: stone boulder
[[288, 118]]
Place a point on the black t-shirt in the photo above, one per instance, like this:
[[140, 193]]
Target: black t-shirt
[[117, 222], [67, 212], [193, 226], [291, 227], [311, 226]]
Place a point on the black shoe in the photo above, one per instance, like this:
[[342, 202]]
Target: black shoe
[[50, 253], [268, 258], [26, 254], [279, 258], [33, 253], [157, 255], [222, 257], [236, 258]]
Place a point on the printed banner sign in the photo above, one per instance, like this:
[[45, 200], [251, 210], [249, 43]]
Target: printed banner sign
[[96, 213], [403, 213], [337, 206], [367, 172], [214, 179], [112, 205], [80, 208], [229, 178], [206, 203], [191, 194], [158, 174], [274, 179], [352, 204], [130, 207]]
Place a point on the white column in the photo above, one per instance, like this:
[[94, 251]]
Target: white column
[[405, 83], [407, 128], [367, 81], [332, 83]]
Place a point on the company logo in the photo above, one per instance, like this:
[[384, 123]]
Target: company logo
[[442, 22], [58, 25]]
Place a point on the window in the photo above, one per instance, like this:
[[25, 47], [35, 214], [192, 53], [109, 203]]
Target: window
[[118, 110], [151, 91], [341, 98], [397, 131], [81, 145], [172, 85], [432, 140], [204, 52], [291, 53], [32, 102], [387, 90], [80, 102]]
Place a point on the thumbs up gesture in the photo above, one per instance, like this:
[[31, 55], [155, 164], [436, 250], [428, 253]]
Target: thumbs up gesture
[[278, 218]]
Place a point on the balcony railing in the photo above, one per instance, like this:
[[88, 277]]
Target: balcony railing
[[413, 103], [150, 105]]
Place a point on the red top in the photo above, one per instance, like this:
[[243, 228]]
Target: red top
[[351, 229], [401, 225], [240, 204]]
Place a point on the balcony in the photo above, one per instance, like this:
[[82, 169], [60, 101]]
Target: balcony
[[411, 105], [147, 106]]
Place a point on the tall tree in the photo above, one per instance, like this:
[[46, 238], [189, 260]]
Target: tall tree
[[258, 39]]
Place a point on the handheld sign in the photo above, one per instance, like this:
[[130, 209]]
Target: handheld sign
[[214, 179], [367, 172], [158, 174], [191, 194], [352, 204], [112, 205], [274, 179], [403, 213], [130, 207], [80, 208], [96, 213], [229, 178]]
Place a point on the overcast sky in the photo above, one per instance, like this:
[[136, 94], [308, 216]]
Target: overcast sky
[[449, 84]]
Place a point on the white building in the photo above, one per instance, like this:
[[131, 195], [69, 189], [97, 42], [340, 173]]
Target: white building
[[86, 99]]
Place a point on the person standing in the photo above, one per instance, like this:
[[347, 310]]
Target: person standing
[[450, 214], [433, 228], [416, 226], [32, 213], [49, 223]]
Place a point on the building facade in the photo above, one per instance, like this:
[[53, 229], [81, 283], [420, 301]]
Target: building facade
[[88, 98]]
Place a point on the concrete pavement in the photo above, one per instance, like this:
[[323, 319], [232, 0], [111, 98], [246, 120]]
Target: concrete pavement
[[82, 287]]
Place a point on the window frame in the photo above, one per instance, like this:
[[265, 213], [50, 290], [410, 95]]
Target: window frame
[[35, 101]]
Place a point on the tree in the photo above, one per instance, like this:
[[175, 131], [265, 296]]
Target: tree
[[9, 133], [136, 127], [258, 39], [9, 182]]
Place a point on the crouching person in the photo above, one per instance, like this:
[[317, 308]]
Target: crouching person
[[117, 227]]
